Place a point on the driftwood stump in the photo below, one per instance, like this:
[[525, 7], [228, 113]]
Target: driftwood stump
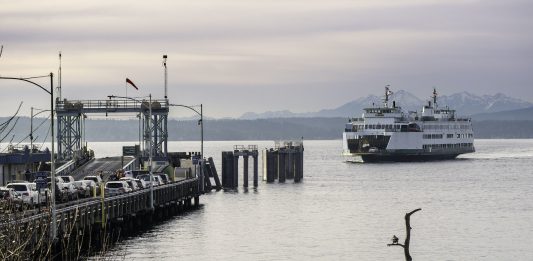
[[407, 241]]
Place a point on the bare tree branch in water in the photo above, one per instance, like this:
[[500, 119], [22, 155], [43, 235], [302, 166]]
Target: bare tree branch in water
[[407, 241]]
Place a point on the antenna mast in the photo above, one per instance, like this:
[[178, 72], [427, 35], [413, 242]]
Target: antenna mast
[[59, 78], [166, 77]]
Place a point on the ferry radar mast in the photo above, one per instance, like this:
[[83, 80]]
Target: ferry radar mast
[[434, 96], [388, 93]]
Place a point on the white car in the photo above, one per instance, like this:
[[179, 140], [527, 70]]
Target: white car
[[117, 187], [92, 186], [156, 181], [84, 191], [67, 179], [71, 190], [97, 179], [26, 191], [141, 183], [133, 185], [9, 197]]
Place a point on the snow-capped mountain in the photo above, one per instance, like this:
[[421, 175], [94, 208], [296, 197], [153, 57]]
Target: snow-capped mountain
[[464, 103], [467, 104]]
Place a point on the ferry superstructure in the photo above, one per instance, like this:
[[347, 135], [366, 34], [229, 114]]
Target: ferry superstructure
[[386, 133]]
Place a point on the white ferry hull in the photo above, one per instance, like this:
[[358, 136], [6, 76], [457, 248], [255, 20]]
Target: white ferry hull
[[383, 146], [388, 134]]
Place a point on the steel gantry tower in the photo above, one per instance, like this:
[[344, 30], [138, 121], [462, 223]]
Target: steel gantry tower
[[71, 123]]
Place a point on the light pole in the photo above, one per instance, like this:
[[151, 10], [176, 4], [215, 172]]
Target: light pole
[[53, 229], [151, 145], [201, 123], [31, 130]]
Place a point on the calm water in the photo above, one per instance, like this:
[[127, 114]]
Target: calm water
[[478, 207]]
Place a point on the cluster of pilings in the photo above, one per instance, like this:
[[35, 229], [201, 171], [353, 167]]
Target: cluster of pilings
[[230, 166], [284, 161]]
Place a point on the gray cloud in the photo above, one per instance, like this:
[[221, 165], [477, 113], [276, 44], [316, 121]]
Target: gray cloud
[[298, 55]]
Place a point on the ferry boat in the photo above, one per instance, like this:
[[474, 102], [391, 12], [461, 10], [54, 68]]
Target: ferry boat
[[387, 133]]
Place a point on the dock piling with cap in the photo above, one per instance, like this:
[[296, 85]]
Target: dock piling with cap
[[283, 162]]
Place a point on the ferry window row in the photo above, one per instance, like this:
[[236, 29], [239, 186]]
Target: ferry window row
[[447, 146], [391, 127], [448, 136], [446, 127], [432, 136]]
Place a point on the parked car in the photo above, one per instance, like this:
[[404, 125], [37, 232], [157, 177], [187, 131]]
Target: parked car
[[158, 181], [9, 198], [164, 178], [117, 187], [26, 191], [61, 192], [133, 185], [84, 191], [141, 183], [146, 177], [71, 190], [97, 179], [92, 187], [67, 179]]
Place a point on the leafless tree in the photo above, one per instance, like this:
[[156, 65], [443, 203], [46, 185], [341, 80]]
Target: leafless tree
[[407, 241]]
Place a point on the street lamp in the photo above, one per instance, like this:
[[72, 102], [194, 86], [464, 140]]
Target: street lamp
[[151, 145], [31, 129], [201, 122], [53, 231]]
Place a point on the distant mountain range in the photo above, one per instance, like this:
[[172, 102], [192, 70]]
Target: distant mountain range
[[512, 115], [464, 103]]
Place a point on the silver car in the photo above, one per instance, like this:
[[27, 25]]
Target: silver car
[[117, 187]]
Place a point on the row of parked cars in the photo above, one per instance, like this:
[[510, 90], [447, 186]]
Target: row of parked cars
[[67, 188], [24, 193], [129, 184]]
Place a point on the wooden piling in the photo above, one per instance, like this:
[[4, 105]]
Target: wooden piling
[[271, 166], [228, 169], [245, 171], [282, 174], [256, 178], [235, 171]]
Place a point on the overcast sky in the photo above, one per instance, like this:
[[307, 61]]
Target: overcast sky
[[242, 55]]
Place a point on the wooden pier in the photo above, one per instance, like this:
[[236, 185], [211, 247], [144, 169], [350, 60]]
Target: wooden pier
[[97, 217]]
